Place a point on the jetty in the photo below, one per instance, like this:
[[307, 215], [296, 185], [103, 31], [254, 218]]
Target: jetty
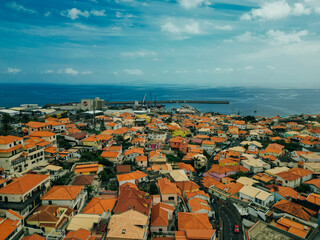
[[167, 102]]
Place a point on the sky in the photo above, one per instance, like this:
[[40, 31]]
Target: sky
[[208, 43]]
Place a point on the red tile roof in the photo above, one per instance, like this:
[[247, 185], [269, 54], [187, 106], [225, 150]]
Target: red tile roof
[[23, 184]]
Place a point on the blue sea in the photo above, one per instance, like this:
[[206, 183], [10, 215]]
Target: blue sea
[[266, 102]]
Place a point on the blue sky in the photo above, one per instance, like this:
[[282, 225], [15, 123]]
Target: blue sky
[[251, 43]]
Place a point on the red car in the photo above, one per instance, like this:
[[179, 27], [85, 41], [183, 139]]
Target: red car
[[236, 228]]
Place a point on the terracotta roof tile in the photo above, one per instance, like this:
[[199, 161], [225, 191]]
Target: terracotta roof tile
[[23, 184], [62, 193]]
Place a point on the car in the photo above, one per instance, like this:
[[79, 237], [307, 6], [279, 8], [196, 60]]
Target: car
[[236, 228]]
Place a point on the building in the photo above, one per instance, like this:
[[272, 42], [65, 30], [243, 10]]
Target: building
[[128, 225], [169, 191], [91, 104], [24, 193], [160, 217], [11, 226], [49, 218], [256, 195], [71, 196]]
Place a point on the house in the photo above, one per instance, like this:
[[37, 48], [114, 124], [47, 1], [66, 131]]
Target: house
[[142, 161], [37, 126], [99, 205], [193, 221], [168, 191], [93, 141], [26, 191], [294, 209], [293, 227], [71, 196], [84, 180], [199, 205], [34, 237], [88, 169], [294, 177], [128, 225], [85, 221], [80, 234], [132, 198], [47, 136], [157, 157], [208, 146], [123, 169], [133, 177], [256, 195], [179, 143], [255, 165], [288, 179], [112, 156], [49, 218], [187, 186], [11, 226], [19, 156], [314, 185], [160, 216], [132, 153]]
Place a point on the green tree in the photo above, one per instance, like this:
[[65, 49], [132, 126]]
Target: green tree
[[103, 176], [63, 143], [6, 121], [153, 188], [304, 188]]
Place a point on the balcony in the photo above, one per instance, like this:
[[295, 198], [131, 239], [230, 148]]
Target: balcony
[[20, 206]]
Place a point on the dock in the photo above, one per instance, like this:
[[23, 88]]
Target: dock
[[168, 102]]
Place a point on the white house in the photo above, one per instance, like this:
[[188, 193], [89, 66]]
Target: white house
[[71, 196]]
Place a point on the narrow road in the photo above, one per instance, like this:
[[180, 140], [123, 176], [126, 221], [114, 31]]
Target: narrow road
[[228, 224]]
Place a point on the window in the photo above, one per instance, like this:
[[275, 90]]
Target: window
[[171, 198]]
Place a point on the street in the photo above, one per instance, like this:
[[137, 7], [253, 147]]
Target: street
[[228, 224]]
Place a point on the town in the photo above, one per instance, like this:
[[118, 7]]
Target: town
[[82, 171]]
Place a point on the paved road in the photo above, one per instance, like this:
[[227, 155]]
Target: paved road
[[228, 224]]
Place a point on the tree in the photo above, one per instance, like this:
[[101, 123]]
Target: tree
[[103, 176], [304, 188], [63, 180], [63, 143], [6, 121], [153, 188]]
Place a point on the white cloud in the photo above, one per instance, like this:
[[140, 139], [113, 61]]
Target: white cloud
[[188, 4], [248, 68], [225, 27], [314, 4], [143, 53], [86, 72], [280, 37], [115, 73], [19, 7], [245, 17], [273, 37], [134, 72], [246, 37], [121, 15], [48, 71], [14, 70], [68, 71], [272, 10], [181, 31], [47, 14], [276, 10], [300, 9], [74, 13], [270, 67], [98, 13]]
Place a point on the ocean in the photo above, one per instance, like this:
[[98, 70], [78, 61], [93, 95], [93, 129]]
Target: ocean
[[246, 101]]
